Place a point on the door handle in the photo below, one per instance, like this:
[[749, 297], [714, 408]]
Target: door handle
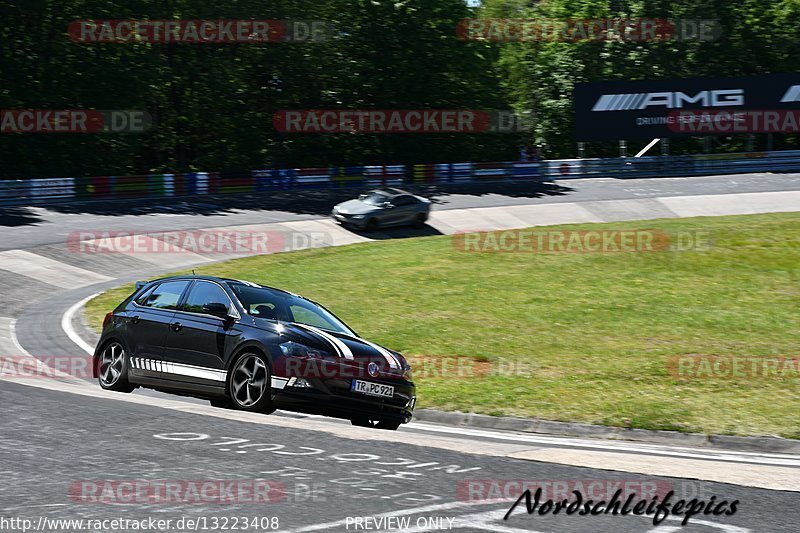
[[176, 326], [135, 319]]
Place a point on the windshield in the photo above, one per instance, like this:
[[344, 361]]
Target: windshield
[[375, 198], [273, 304]]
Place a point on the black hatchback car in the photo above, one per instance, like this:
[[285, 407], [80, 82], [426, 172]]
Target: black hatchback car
[[253, 348]]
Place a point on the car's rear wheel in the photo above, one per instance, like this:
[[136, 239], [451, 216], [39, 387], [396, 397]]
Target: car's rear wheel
[[371, 225], [249, 384], [112, 368], [377, 423]]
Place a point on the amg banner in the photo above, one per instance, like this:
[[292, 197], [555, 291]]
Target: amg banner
[[613, 110]]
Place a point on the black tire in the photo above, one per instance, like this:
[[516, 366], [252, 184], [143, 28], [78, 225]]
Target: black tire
[[249, 384], [222, 403], [112, 368], [420, 219], [389, 425], [371, 225]]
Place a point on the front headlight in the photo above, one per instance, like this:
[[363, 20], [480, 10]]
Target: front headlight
[[295, 349]]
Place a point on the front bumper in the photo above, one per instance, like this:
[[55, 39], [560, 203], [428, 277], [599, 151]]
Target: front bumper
[[348, 220], [333, 397]]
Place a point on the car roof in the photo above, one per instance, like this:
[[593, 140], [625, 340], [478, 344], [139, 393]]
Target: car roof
[[221, 280], [392, 191]]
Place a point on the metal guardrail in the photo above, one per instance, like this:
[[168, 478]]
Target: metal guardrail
[[48, 191], [672, 166]]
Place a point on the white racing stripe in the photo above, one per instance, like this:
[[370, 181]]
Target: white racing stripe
[[390, 358], [166, 367], [341, 348]]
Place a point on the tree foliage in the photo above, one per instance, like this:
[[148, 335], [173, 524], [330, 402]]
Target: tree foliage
[[213, 104]]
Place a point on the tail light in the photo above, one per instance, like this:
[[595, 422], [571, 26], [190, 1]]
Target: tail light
[[107, 319]]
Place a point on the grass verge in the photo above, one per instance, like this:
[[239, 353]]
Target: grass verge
[[586, 337]]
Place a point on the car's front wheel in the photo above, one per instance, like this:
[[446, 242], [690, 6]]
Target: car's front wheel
[[112, 368], [249, 384], [378, 423]]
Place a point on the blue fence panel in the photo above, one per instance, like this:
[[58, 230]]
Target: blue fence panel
[[16, 192]]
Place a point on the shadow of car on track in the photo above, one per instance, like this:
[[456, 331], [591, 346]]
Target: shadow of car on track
[[18, 216]]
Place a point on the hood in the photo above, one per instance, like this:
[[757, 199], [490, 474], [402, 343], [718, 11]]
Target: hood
[[356, 207], [346, 349]]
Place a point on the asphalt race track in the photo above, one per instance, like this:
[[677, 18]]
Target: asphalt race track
[[324, 478], [71, 451]]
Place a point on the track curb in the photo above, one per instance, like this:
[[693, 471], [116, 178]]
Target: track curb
[[573, 429]]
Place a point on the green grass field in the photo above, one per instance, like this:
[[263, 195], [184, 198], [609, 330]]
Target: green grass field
[[584, 337]]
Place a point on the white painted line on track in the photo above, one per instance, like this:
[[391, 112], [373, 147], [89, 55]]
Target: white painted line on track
[[10, 325], [12, 333], [66, 325], [608, 446]]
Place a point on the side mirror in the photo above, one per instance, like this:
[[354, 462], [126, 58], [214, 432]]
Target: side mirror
[[216, 309], [388, 205], [362, 196]]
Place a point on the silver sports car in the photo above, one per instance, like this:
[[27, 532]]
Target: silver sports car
[[381, 208]]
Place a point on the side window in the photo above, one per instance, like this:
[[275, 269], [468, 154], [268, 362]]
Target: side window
[[403, 200], [204, 292], [166, 295]]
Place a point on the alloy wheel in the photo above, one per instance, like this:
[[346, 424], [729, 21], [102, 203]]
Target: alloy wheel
[[111, 364], [249, 381]]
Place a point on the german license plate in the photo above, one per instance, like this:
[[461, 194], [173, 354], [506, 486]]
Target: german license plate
[[372, 389]]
